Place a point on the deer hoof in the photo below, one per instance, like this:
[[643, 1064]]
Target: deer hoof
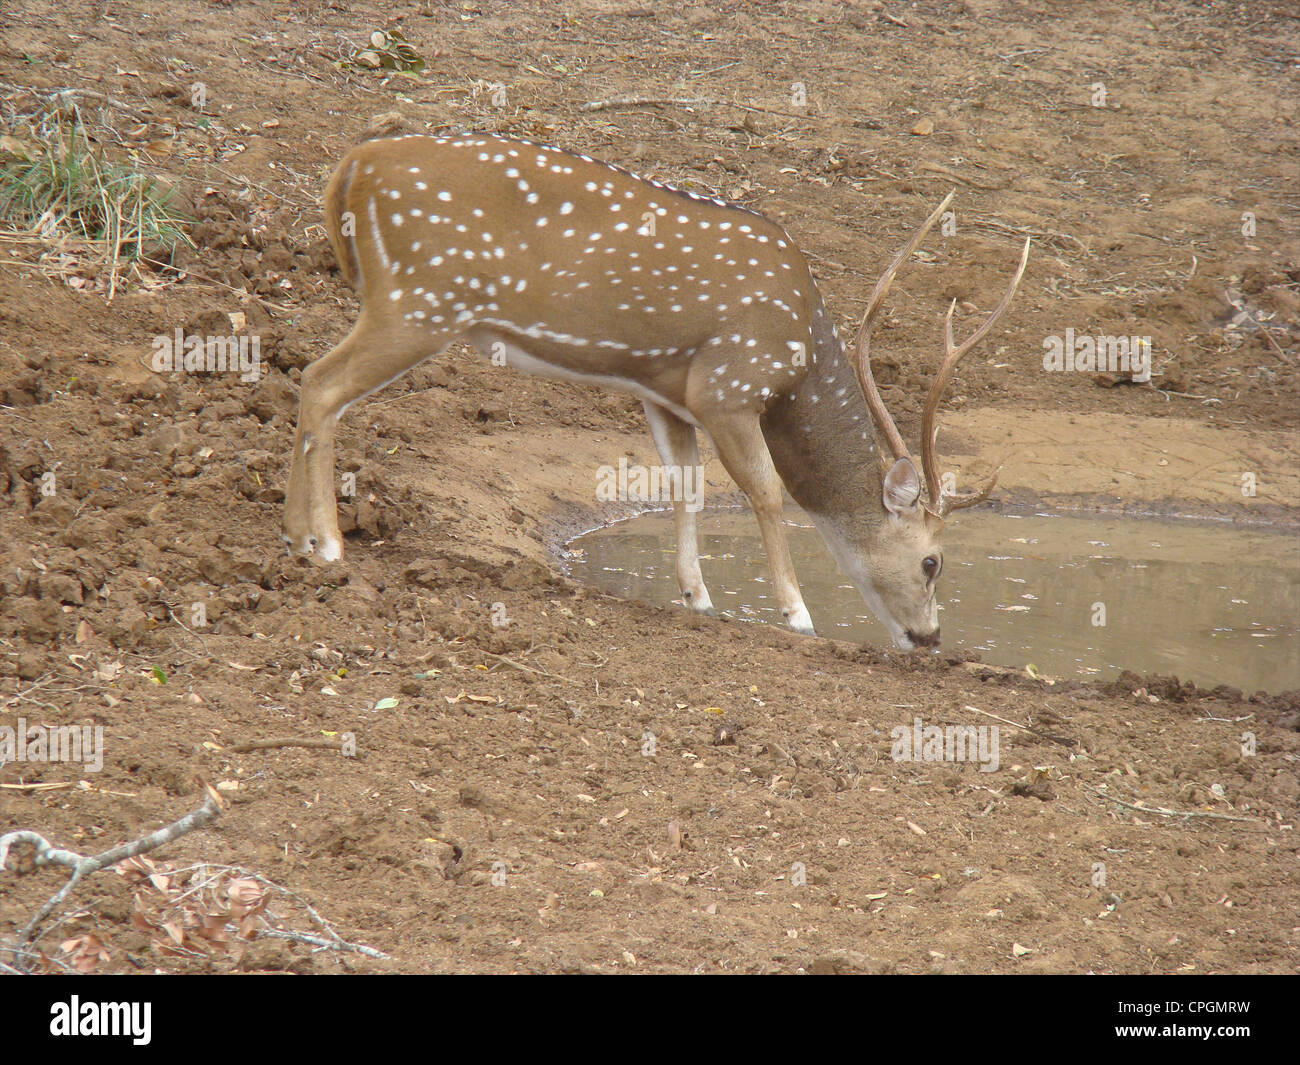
[[701, 603], [327, 549], [800, 620]]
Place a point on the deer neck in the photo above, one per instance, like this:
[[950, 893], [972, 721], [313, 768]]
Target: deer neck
[[821, 440]]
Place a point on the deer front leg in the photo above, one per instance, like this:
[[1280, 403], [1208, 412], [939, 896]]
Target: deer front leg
[[310, 512], [367, 359], [680, 453], [739, 440]]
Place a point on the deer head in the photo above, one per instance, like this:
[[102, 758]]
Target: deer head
[[894, 555]]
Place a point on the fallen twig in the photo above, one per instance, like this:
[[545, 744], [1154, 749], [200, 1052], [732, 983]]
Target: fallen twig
[[1277, 348], [288, 741], [82, 866], [50, 94], [1161, 811], [1064, 741], [530, 669], [182, 624], [680, 101], [334, 943]]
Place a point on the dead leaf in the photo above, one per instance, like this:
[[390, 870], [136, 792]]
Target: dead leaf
[[85, 952]]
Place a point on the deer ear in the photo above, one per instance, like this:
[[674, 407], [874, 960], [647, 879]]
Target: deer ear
[[901, 491]]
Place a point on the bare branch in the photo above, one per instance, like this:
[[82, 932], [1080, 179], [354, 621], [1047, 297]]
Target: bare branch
[[82, 866]]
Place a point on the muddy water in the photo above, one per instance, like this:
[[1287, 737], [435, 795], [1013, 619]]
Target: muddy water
[[1073, 596]]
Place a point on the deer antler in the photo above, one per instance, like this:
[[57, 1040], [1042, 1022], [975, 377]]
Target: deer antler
[[941, 504], [862, 345]]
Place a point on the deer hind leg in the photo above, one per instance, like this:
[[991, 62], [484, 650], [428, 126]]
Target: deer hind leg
[[367, 359], [739, 440], [680, 453]]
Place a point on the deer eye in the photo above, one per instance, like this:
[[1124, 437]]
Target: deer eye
[[931, 567]]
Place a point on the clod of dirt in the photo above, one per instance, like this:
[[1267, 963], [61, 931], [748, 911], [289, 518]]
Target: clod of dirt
[[847, 963], [22, 391], [273, 395], [1037, 789], [389, 124]]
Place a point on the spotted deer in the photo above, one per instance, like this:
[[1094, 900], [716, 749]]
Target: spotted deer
[[705, 310]]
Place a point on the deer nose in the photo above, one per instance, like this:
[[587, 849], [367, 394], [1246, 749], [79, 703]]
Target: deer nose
[[928, 639]]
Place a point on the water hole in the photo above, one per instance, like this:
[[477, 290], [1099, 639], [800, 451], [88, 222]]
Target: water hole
[[1210, 603]]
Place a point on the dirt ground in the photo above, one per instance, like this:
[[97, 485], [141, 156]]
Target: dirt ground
[[503, 814]]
